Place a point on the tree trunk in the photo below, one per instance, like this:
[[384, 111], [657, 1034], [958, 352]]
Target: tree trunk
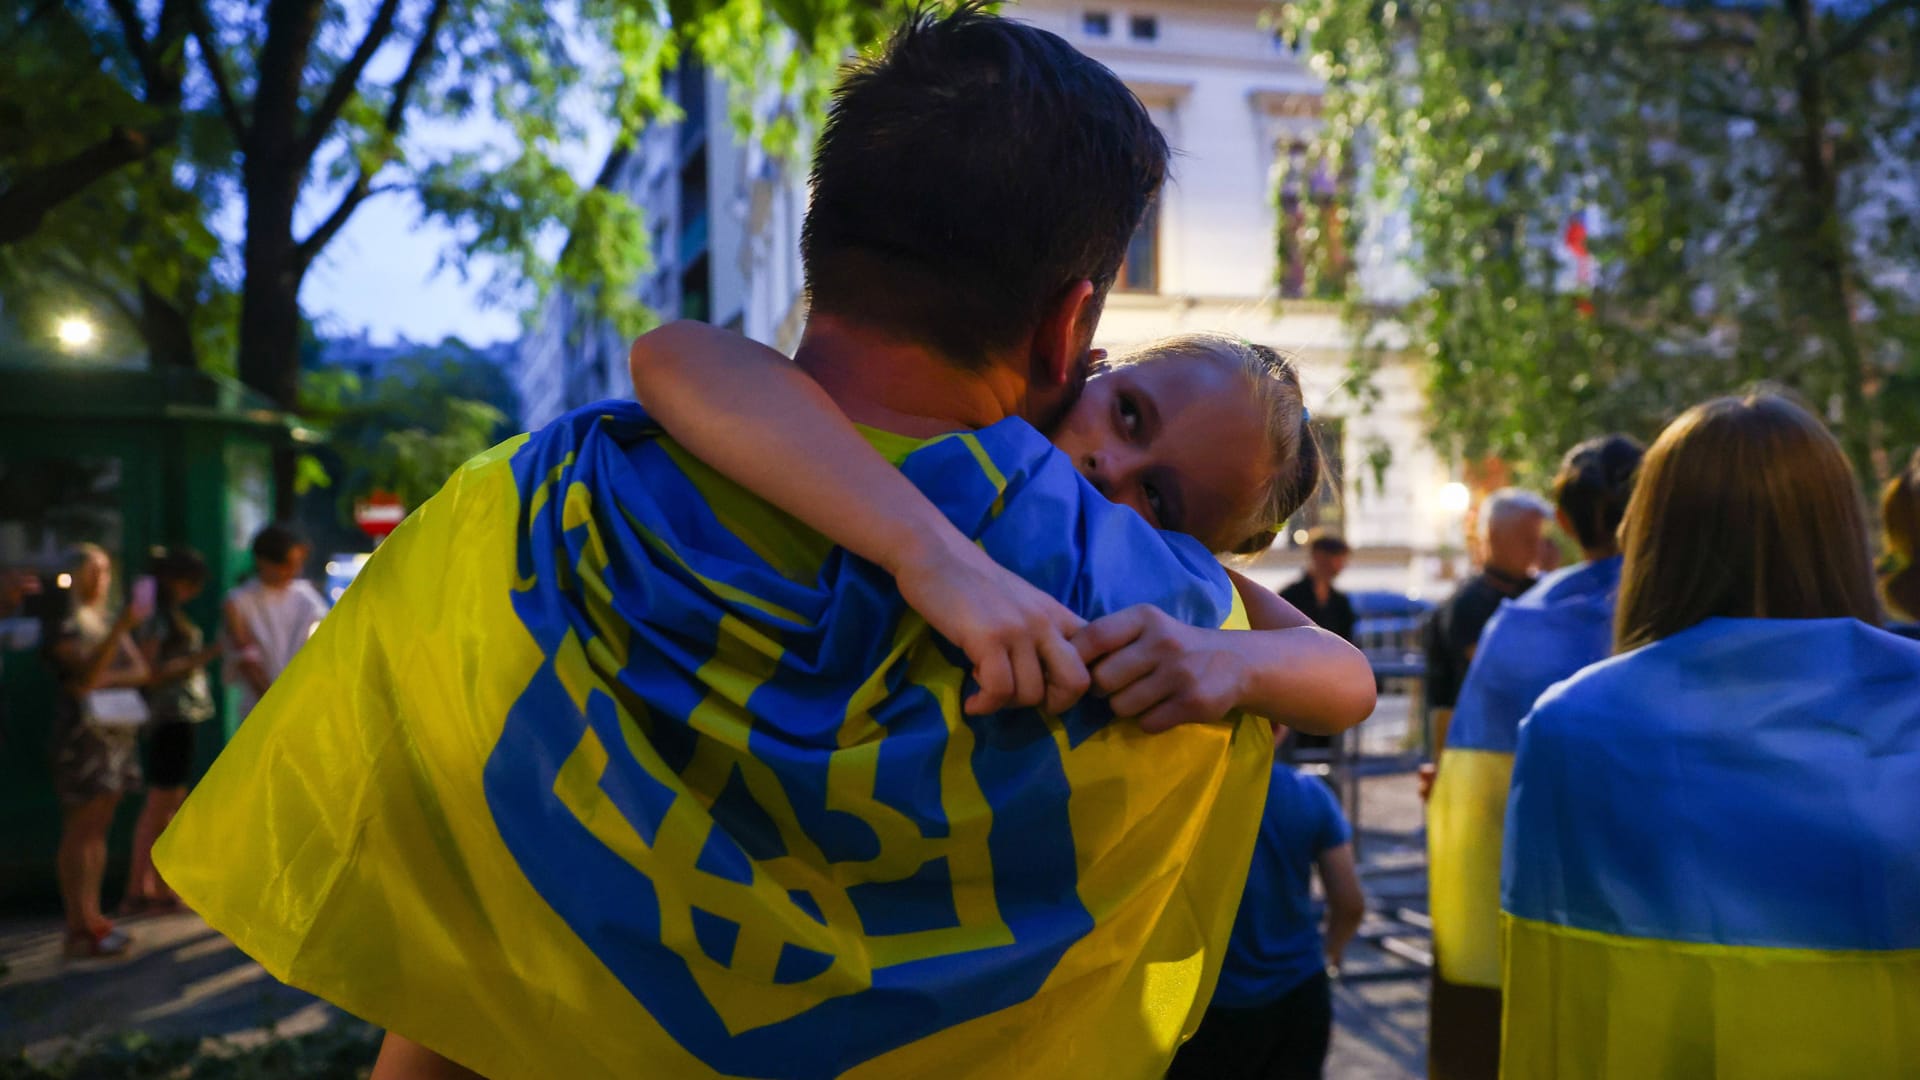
[[274, 171], [167, 331], [1832, 304]]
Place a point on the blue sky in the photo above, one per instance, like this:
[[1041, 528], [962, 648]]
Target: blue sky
[[378, 276]]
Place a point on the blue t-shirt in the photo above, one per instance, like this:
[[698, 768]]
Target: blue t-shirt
[[1276, 943]]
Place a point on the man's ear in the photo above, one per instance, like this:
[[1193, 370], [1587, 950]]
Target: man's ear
[[1060, 342]]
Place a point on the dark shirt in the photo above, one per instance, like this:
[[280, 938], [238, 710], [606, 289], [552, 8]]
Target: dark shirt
[[1336, 615], [1906, 630], [1454, 629]]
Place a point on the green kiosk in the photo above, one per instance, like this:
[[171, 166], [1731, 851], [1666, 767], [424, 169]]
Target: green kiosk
[[127, 458]]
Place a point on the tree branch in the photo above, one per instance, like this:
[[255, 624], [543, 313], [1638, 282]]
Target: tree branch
[[362, 188], [24, 204], [135, 31], [1864, 27], [347, 80], [216, 70]]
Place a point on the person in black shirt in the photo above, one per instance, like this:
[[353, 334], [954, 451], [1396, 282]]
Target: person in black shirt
[[1511, 525], [1314, 593], [1327, 606]]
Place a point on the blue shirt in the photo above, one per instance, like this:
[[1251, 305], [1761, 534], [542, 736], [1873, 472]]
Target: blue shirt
[[1276, 943]]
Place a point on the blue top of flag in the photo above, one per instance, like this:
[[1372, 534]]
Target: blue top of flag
[[1554, 629], [1746, 782]]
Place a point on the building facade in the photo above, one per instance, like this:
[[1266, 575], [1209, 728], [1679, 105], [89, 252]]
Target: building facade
[[1254, 236]]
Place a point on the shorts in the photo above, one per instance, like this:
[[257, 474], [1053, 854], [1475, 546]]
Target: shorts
[[89, 762], [169, 753]]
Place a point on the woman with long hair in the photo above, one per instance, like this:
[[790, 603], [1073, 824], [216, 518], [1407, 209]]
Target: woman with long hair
[[95, 757], [1709, 866], [173, 646]]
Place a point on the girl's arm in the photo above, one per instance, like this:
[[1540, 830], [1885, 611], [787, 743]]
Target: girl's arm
[[1155, 668], [1265, 609], [748, 412]]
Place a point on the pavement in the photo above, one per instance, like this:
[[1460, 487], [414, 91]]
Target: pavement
[[184, 981]]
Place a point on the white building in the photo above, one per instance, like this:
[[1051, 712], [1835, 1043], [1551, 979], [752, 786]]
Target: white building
[[1241, 111]]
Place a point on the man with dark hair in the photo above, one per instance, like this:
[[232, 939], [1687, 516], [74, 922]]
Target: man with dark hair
[[607, 767], [1314, 594]]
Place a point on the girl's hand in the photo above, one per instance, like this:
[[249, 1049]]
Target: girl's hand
[[1018, 638], [1161, 671]]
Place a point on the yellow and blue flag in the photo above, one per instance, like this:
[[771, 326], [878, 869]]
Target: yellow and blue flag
[[605, 767], [1548, 634], [1713, 860]]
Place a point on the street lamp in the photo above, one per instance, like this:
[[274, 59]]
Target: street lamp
[[76, 333], [1454, 498]]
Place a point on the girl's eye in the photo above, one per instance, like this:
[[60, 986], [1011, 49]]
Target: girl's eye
[[1154, 503], [1129, 414]]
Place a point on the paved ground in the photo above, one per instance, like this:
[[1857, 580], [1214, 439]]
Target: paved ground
[[185, 981]]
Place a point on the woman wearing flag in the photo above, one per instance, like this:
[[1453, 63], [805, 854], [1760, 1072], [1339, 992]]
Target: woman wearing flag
[[1552, 631], [1710, 860]]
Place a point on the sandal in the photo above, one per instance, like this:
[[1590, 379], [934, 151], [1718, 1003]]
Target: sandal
[[110, 942]]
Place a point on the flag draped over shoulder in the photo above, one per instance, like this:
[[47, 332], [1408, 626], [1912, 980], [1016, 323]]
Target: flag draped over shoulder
[[1552, 631], [1713, 860], [605, 767]]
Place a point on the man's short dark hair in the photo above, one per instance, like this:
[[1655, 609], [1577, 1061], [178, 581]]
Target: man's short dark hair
[[1331, 543], [275, 543], [967, 176]]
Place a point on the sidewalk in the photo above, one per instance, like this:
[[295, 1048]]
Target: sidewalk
[[187, 984]]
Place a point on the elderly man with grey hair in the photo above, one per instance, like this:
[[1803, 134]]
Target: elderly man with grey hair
[[1511, 527]]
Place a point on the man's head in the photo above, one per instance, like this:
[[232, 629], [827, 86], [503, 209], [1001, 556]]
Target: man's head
[[974, 190], [1327, 554], [1511, 524], [279, 555]]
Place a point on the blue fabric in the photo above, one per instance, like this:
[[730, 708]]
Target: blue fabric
[[1276, 943], [1746, 782], [1551, 631], [628, 554]]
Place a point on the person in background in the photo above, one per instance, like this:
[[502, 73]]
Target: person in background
[[270, 617], [94, 764], [1900, 528], [1271, 1017], [1318, 600], [1552, 631], [1314, 594], [18, 630], [1510, 527], [1709, 863], [179, 698]]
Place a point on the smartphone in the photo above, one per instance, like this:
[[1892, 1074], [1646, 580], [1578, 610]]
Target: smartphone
[[144, 596]]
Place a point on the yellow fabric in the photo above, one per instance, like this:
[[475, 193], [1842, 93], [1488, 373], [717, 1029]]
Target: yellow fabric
[[1584, 1004], [343, 839], [1466, 820]]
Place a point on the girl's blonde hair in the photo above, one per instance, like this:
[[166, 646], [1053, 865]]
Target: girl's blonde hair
[[1274, 378], [1900, 522], [1745, 507]]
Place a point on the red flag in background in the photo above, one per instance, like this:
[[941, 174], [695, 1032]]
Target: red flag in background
[[1576, 237]]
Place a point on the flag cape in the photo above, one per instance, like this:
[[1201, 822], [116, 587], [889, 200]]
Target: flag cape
[[603, 767], [1552, 631], [1713, 860]]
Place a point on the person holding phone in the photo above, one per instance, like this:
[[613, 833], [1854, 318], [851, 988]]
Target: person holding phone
[[96, 743], [180, 699]]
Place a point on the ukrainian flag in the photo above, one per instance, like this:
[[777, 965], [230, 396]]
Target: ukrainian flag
[[1713, 860], [1552, 631], [604, 767]]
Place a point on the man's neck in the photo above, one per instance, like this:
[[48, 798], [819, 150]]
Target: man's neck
[[906, 389]]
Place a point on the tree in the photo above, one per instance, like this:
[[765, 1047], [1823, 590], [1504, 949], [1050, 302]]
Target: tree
[[406, 432], [1623, 207], [300, 111]]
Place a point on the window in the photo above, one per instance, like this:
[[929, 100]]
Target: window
[[1144, 28], [1313, 198], [1140, 270], [1097, 24], [1323, 511]]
